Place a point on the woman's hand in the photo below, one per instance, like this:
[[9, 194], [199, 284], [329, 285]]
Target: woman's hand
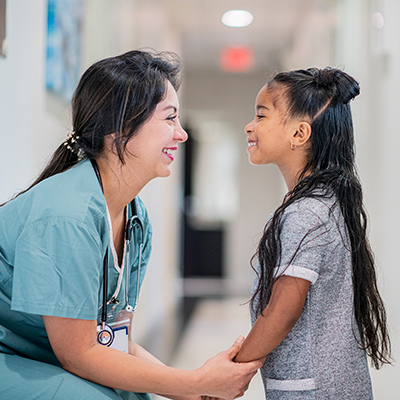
[[210, 398], [183, 397], [223, 378]]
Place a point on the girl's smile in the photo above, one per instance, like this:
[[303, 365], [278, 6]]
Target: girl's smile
[[250, 144]]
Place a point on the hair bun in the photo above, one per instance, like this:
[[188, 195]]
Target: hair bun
[[344, 87], [324, 79], [347, 88]]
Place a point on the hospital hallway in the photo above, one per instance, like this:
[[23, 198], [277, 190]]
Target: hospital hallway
[[208, 216], [213, 326]]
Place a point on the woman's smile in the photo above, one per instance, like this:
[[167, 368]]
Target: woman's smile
[[169, 151]]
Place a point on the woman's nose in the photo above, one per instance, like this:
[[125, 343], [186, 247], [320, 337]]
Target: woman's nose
[[180, 134]]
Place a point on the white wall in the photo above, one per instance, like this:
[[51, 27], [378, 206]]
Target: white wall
[[372, 55], [28, 131]]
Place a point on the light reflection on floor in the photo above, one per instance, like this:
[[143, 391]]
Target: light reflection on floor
[[214, 326]]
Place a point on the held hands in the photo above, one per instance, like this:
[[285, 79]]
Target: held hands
[[223, 378]]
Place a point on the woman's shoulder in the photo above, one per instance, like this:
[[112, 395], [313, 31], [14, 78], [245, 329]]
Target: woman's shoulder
[[74, 194]]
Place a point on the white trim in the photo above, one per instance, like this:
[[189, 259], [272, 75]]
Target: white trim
[[113, 251], [295, 385], [297, 272], [115, 257]]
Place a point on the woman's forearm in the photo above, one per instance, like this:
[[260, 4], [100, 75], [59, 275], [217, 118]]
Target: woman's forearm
[[139, 352], [131, 373], [140, 372]]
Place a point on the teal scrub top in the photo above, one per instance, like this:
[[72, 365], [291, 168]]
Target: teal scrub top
[[53, 239]]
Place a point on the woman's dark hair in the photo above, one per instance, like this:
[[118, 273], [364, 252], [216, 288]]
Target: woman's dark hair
[[323, 96], [114, 95]]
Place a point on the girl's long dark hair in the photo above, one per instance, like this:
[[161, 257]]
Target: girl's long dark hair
[[116, 95], [323, 95]]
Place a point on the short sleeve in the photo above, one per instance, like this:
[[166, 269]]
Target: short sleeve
[[305, 238], [56, 269]]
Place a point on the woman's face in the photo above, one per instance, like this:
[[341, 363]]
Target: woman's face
[[150, 153], [268, 134]]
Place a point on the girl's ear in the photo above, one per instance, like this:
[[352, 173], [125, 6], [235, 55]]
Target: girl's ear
[[302, 134]]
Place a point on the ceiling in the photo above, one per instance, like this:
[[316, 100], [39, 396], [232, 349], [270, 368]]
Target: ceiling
[[279, 28]]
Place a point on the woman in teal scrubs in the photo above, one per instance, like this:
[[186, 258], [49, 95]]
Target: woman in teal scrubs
[[57, 237]]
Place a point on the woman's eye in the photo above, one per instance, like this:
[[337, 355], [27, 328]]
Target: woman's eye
[[259, 116], [172, 118]]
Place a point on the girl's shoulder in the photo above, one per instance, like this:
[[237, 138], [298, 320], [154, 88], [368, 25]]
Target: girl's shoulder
[[313, 210]]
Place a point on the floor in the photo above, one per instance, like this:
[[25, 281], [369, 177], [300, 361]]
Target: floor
[[214, 325]]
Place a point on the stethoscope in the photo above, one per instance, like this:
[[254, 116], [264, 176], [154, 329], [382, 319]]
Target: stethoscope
[[105, 334]]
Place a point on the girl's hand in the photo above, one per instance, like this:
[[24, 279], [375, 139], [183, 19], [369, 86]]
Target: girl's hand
[[223, 378]]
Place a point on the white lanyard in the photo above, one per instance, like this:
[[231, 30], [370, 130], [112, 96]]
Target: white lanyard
[[131, 222]]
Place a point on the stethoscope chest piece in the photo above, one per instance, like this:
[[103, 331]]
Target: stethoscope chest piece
[[105, 335], [129, 308]]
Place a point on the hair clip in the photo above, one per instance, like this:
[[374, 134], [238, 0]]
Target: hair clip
[[71, 139]]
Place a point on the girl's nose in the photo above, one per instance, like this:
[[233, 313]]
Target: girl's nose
[[249, 127]]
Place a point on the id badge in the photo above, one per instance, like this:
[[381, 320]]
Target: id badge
[[120, 339], [121, 332]]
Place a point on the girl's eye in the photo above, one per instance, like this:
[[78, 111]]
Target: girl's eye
[[259, 116]]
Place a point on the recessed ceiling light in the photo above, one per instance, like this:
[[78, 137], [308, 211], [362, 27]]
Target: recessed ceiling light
[[378, 20], [237, 18]]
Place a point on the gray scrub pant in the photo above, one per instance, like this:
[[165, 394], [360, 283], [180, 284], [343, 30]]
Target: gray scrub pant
[[25, 379]]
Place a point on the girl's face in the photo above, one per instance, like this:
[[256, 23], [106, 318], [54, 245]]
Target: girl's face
[[268, 134], [151, 152]]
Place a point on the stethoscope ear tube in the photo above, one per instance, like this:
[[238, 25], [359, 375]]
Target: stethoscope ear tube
[[129, 228], [105, 334], [105, 286]]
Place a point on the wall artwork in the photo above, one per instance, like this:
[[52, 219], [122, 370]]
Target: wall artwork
[[3, 28], [64, 38]]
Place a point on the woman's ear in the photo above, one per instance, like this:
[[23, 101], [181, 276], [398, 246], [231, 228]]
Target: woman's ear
[[302, 134]]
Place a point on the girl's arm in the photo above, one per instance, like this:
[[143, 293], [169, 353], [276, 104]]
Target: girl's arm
[[277, 320], [74, 343]]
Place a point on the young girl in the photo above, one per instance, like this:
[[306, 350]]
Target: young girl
[[316, 310], [74, 249]]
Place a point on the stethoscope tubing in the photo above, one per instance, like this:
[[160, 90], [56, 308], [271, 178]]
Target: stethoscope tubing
[[134, 220], [105, 286]]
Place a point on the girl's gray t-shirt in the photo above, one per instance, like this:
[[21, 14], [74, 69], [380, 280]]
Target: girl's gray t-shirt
[[320, 358]]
